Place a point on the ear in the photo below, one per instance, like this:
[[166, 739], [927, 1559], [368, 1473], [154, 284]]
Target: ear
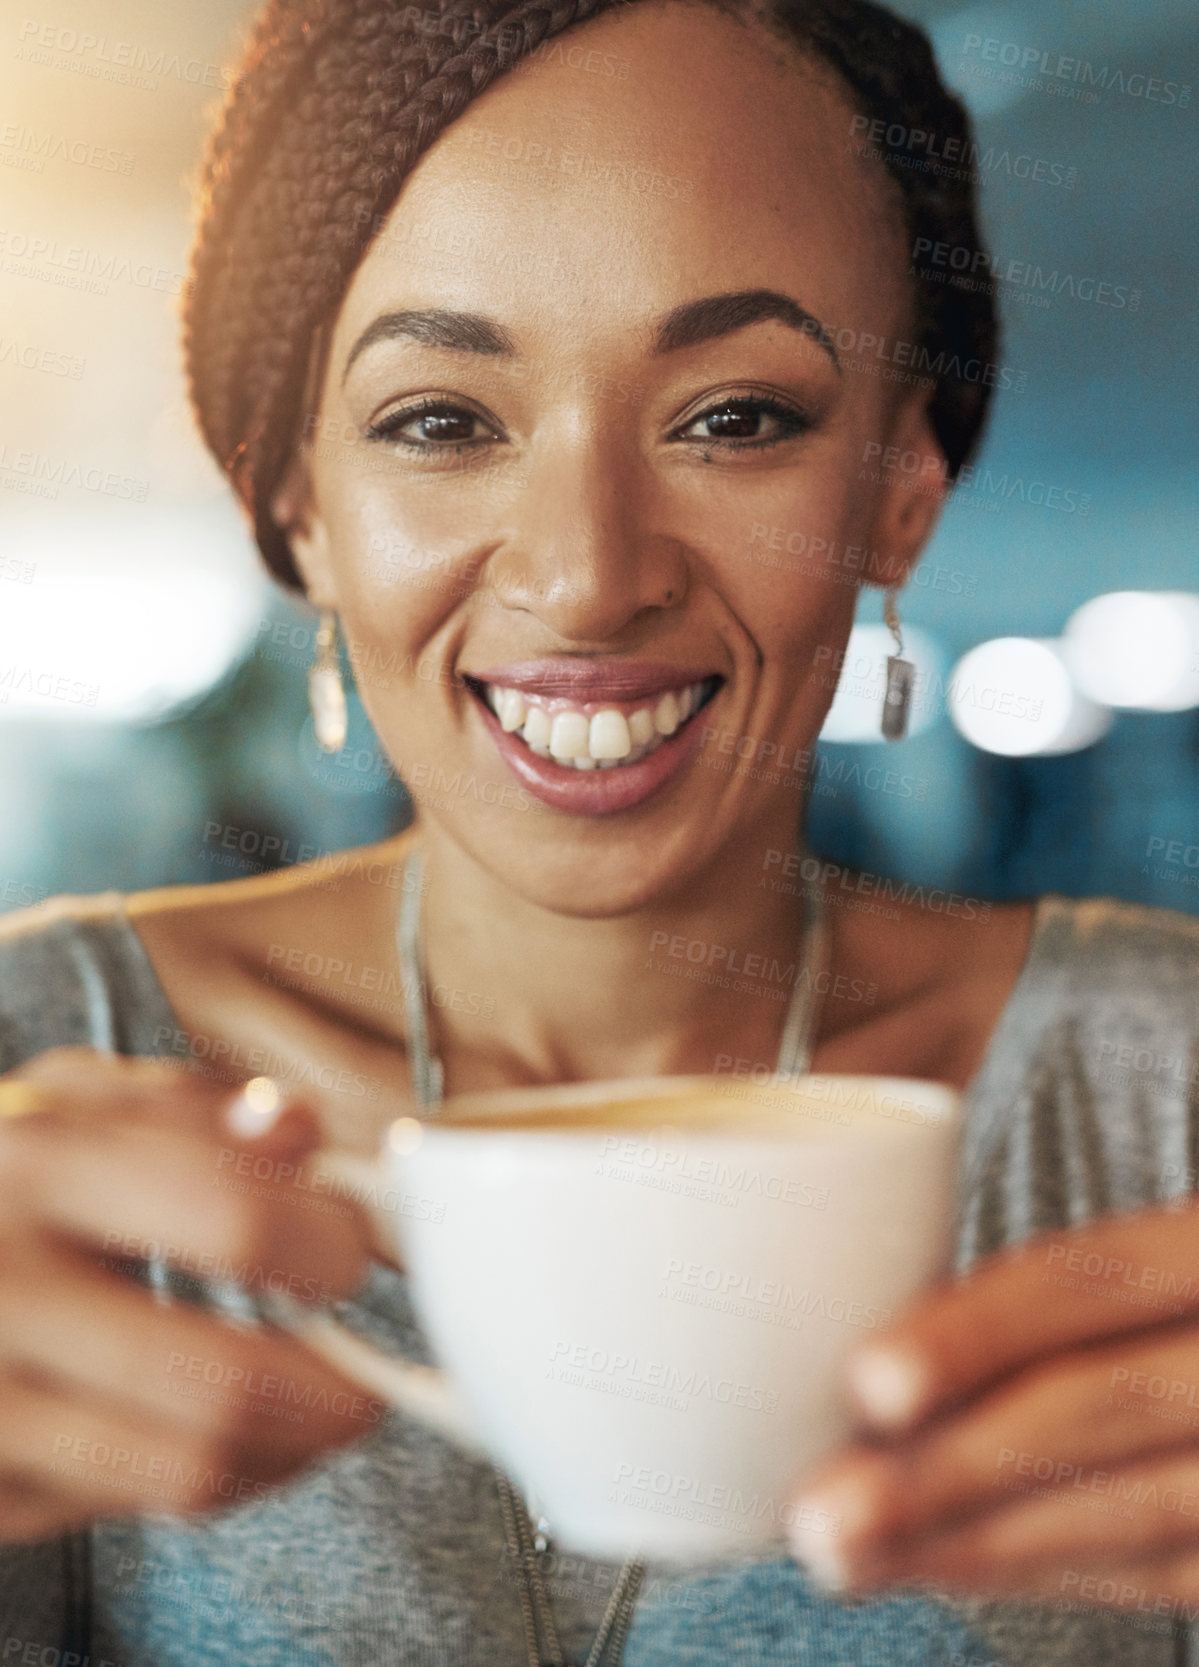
[[910, 497], [293, 506]]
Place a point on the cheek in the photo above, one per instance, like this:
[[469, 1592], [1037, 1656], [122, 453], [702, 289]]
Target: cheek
[[401, 560], [780, 553]]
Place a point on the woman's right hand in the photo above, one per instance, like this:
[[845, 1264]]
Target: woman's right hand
[[112, 1403]]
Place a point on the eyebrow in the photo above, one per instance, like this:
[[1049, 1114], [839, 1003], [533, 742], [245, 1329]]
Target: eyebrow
[[720, 315], [434, 327], [684, 326]]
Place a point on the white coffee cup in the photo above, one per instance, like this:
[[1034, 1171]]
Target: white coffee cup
[[642, 1291]]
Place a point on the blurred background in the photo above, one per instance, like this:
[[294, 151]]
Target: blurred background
[[153, 716]]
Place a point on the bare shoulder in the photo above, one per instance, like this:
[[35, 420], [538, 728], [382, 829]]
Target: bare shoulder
[[318, 936], [939, 968], [293, 974], [237, 920]]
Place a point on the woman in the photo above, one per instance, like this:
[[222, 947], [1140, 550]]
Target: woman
[[514, 329]]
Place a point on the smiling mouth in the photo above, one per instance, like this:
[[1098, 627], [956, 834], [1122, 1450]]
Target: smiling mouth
[[594, 735]]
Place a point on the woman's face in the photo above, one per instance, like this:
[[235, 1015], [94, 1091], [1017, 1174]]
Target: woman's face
[[547, 462]]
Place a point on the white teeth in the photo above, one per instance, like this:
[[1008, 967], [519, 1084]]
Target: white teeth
[[536, 731], [511, 709], [569, 734], [607, 739], [641, 726], [666, 714], [608, 736]]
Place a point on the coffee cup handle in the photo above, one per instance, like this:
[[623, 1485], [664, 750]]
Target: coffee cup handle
[[423, 1392]]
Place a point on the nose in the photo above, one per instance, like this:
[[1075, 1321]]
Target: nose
[[584, 555]]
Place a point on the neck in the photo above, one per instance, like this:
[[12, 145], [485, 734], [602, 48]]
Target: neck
[[520, 994]]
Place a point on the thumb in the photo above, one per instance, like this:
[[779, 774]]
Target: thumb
[[264, 1114]]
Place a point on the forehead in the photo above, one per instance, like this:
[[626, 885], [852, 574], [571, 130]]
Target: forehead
[[658, 152]]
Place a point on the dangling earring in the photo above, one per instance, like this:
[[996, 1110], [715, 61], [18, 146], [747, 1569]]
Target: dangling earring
[[326, 692], [897, 701]]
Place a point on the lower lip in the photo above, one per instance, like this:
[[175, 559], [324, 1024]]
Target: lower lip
[[595, 792]]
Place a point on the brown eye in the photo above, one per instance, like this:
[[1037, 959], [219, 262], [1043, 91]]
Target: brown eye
[[447, 425], [735, 422], [748, 421], [430, 426]]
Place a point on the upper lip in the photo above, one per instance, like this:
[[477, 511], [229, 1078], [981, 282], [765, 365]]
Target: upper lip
[[590, 680]]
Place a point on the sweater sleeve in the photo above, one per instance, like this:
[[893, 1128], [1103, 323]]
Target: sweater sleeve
[[73, 973]]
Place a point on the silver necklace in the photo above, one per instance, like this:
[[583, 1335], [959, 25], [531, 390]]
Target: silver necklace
[[528, 1543]]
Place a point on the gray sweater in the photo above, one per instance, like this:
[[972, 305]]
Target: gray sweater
[[392, 1551]]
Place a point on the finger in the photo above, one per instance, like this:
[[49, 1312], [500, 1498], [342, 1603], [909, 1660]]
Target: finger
[[1059, 1424], [99, 1462], [1053, 1292], [29, 1514], [133, 1190], [1166, 1588], [1102, 1519], [67, 1326], [86, 1085], [74, 1084]]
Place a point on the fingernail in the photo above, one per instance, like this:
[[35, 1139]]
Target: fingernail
[[822, 1560], [255, 1109], [888, 1384], [824, 1521]]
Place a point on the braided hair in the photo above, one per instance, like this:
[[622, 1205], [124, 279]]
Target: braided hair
[[336, 100]]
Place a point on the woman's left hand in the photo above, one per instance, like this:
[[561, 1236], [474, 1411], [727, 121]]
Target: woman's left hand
[[1030, 1430]]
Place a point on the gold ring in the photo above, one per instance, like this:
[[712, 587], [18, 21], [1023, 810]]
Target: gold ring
[[20, 1099]]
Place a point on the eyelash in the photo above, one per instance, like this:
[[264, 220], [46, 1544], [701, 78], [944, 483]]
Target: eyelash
[[387, 427], [791, 421]]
